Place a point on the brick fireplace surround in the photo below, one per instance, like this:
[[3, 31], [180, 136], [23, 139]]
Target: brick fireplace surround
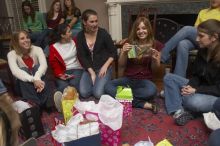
[[119, 11]]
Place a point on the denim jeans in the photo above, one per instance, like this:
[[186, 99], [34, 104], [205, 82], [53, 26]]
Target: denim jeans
[[87, 88], [214, 138], [2, 87], [28, 91], [40, 38], [174, 100], [62, 84], [184, 40], [142, 90]]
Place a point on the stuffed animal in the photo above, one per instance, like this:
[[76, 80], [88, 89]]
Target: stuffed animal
[[70, 93]]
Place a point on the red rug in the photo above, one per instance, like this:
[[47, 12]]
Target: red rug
[[142, 123]]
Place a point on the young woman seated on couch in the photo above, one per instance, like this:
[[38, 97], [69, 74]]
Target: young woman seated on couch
[[199, 93], [138, 69]]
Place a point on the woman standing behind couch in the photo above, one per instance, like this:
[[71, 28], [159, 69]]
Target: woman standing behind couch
[[138, 70], [96, 52], [34, 22], [72, 16], [199, 93], [28, 64], [63, 59]]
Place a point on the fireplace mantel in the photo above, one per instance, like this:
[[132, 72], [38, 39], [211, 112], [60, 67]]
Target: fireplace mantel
[[115, 12]]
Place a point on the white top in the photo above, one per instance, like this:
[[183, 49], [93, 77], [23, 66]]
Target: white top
[[16, 62], [69, 54]]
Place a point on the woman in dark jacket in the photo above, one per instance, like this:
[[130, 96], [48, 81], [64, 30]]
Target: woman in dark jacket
[[200, 92], [96, 52]]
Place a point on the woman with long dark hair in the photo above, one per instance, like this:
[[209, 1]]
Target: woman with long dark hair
[[72, 16]]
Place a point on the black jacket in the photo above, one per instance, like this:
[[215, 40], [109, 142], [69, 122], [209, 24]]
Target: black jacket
[[103, 49], [206, 76]]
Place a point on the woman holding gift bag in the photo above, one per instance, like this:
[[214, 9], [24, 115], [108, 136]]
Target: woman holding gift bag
[[138, 57], [96, 52]]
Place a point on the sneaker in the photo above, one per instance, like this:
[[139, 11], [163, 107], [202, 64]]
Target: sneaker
[[57, 100], [162, 94], [183, 118]]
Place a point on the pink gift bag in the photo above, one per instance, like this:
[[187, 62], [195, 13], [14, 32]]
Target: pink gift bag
[[127, 107], [108, 136]]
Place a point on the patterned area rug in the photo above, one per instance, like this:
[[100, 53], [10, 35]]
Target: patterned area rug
[[143, 124]]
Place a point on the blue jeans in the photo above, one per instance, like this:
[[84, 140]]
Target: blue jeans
[[214, 138], [87, 89], [174, 101], [40, 38], [62, 84], [184, 40], [142, 90], [2, 87], [28, 91]]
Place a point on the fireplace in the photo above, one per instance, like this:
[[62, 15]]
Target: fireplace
[[121, 11]]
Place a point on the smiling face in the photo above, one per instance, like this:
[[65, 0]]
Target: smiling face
[[24, 42], [91, 24], [215, 3], [204, 40], [142, 31]]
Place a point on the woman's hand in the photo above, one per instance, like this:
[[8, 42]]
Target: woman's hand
[[93, 77], [187, 90], [155, 55], [126, 47], [103, 71], [39, 85]]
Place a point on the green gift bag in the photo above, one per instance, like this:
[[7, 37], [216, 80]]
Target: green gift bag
[[124, 93]]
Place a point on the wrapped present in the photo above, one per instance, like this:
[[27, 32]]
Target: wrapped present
[[70, 96], [124, 96], [67, 106], [109, 137]]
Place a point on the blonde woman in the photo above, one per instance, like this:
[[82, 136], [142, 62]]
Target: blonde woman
[[28, 65]]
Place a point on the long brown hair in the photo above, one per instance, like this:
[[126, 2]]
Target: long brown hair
[[14, 43], [50, 13], [133, 39], [32, 11], [212, 28], [66, 11], [9, 122]]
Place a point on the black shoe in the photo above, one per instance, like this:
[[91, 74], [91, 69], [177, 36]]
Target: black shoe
[[183, 118]]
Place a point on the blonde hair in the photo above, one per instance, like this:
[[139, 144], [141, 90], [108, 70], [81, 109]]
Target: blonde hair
[[14, 44], [9, 122]]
